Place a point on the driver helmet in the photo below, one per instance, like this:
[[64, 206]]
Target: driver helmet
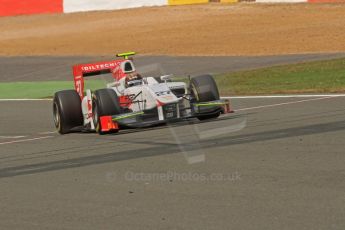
[[133, 78]]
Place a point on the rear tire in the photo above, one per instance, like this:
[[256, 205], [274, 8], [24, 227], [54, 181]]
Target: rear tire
[[204, 89], [104, 103], [67, 111]]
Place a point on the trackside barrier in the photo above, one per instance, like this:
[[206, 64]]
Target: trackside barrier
[[92, 5], [20, 7], [228, 1], [186, 2], [281, 1], [26, 7], [224, 1], [326, 1]]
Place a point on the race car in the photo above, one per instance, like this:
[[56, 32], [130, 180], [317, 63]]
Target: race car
[[132, 100]]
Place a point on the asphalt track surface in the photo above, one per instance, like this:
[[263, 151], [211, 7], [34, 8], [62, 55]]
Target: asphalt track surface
[[276, 163], [279, 166], [59, 68]]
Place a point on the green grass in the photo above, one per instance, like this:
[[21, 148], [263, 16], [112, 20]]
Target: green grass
[[313, 77], [46, 89]]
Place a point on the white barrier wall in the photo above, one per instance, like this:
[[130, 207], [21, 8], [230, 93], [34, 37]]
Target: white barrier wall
[[90, 5]]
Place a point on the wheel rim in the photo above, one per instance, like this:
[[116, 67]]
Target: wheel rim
[[56, 116], [195, 92], [95, 116]]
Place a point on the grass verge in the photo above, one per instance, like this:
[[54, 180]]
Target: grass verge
[[313, 77], [36, 90]]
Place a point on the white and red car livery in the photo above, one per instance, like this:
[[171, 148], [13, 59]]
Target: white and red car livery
[[146, 101]]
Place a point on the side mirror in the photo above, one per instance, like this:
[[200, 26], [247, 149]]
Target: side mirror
[[166, 77]]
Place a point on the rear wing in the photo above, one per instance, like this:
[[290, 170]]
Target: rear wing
[[118, 69]]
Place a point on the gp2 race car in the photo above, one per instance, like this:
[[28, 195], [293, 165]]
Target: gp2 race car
[[133, 101]]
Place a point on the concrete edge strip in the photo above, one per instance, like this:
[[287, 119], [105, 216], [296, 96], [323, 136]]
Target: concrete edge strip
[[26, 99], [284, 103], [25, 140]]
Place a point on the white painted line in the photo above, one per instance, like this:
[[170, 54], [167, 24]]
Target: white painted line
[[285, 103], [11, 137], [25, 140], [26, 99], [285, 96], [223, 130], [45, 133]]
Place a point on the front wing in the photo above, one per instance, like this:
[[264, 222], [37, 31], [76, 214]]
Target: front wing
[[163, 114]]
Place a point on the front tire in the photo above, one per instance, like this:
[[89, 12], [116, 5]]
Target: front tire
[[67, 111], [204, 89], [104, 103]]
